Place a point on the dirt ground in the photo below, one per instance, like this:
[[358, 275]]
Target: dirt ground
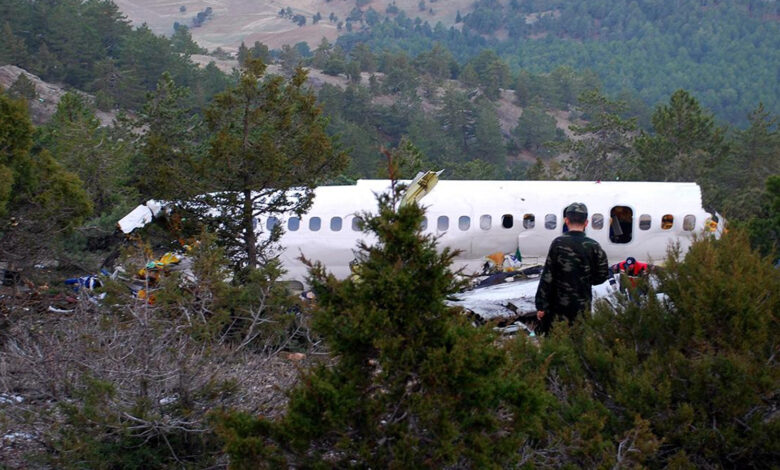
[[48, 95], [234, 21]]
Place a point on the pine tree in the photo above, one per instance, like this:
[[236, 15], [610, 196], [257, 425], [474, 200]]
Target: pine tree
[[687, 145], [457, 116], [489, 142], [12, 48], [268, 150], [76, 139], [604, 145], [42, 197], [243, 53], [535, 129], [415, 385], [755, 157], [164, 166], [23, 87]]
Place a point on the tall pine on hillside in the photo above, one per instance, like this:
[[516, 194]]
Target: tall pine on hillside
[[39, 198], [413, 383], [268, 151]]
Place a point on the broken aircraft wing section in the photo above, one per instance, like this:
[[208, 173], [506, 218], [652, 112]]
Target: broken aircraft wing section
[[421, 185]]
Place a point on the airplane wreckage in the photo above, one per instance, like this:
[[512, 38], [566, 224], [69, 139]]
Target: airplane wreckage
[[500, 228]]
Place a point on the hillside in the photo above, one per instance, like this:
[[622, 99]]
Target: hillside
[[47, 95], [233, 21]]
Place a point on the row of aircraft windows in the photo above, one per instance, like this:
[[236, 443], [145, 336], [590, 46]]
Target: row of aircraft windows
[[620, 223]]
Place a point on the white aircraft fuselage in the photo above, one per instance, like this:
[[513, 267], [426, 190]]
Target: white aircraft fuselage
[[638, 219]]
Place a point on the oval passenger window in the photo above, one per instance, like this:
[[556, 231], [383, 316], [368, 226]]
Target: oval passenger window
[[597, 221], [529, 221], [507, 221], [485, 222]]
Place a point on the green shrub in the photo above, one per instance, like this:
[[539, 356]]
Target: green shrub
[[687, 381], [413, 384]]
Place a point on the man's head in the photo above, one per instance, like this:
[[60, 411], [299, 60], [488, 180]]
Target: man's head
[[630, 261], [576, 213]]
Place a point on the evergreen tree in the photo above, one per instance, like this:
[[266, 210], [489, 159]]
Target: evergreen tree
[[268, 151], [16, 164], [182, 43], [433, 141], [438, 63], [76, 139], [536, 129], [489, 71], [290, 59], [164, 166], [321, 54], [36, 192], [400, 76], [414, 386], [764, 227], [12, 48], [336, 63], [488, 140], [243, 53], [261, 51], [755, 156], [457, 116], [686, 146], [23, 87], [603, 147], [362, 54]]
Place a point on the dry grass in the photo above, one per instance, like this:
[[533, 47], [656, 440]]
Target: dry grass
[[249, 20]]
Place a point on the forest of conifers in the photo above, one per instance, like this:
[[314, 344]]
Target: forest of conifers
[[393, 377]]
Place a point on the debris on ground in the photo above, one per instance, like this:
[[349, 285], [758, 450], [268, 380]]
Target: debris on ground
[[507, 299]]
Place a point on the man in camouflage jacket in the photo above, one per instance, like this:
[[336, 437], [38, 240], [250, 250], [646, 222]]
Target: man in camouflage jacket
[[574, 264]]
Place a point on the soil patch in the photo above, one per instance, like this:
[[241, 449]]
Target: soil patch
[[234, 21]]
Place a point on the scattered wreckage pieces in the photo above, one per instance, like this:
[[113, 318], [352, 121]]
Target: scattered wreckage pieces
[[89, 282], [505, 262], [144, 283], [508, 299], [508, 291]]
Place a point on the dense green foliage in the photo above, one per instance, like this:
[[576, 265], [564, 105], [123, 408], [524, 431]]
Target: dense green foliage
[[724, 52], [170, 135], [91, 46], [687, 380], [93, 152], [690, 381], [268, 151], [39, 197], [414, 384]]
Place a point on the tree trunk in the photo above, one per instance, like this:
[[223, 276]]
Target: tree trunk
[[250, 237]]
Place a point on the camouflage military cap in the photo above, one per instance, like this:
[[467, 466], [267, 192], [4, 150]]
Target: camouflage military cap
[[576, 208]]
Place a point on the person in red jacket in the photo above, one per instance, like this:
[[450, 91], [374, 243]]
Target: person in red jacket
[[631, 266]]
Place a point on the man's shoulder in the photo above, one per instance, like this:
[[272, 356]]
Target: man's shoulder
[[591, 241], [574, 237]]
